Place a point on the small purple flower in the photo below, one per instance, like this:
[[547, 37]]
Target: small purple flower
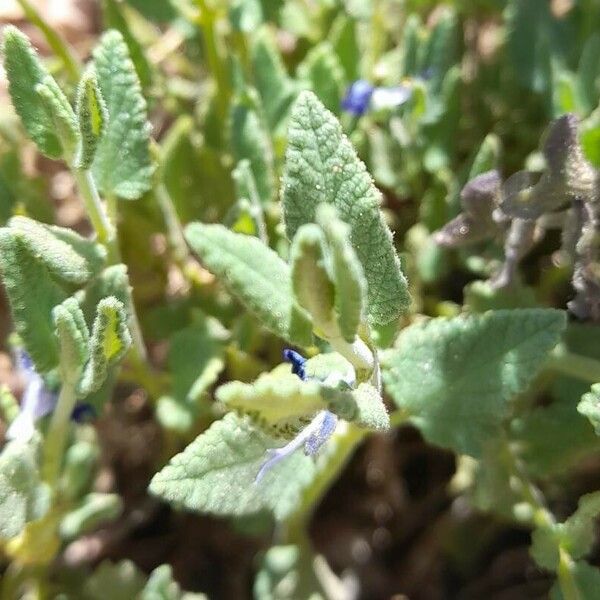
[[318, 431], [297, 361], [357, 98], [361, 95], [37, 400]]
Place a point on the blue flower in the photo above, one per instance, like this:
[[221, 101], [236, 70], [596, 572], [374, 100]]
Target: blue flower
[[38, 401], [318, 431], [297, 361], [361, 95], [357, 98]]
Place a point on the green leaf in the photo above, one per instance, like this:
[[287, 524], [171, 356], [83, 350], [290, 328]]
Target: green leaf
[[109, 342], [588, 72], [195, 361], [117, 581], [281, 403], [61, 115], [73, 339], [276, 89], [194, 174], [122, 165], [254, 273], [487, 157], [553, 439], [411, 42], [587, 581], [288, 573], [321, 166], [576, 535], [216, 473], [322, 72], [346, 271], [115, 19], [32, 295], [25, 72], [248, 201], [250, 140], [589, 406], [246, 15], [455, 384], [67, 256], [344, 40], [162, 586], [23, 497], [94, 510], [313, 289], [92, 117], [370, 409]]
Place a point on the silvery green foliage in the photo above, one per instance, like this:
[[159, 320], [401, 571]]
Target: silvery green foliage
[[305, 155]]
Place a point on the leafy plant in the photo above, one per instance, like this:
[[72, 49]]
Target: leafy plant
[[336, 229]]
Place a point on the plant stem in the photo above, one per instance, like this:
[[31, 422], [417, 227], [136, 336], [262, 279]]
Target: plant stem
[[56, 437], [566, 579], [357, 352], [58, 45], [206, 20], [97, 213], [542, 517], [174, 233], [574, 365], [345, 444]]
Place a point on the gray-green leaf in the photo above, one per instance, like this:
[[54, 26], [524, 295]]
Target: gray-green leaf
[[455, 383], [216, 473], [122, 164], [92, 116], [25, 71], [254, 273], [110, 340], [23, 497], [321, 166]]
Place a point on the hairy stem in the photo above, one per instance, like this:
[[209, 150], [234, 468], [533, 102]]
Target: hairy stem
[[343, 448], [97, 213], [56, 437]]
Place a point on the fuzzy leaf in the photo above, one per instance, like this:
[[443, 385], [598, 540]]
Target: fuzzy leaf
[[281, 403], [25, 72], [61, 115], [73, 338], [216, 473], [455, 384], [110, 340], [322, 72], [122, 164], [313, 289], [92, 116], [275, 87], [346, 272], [589, 406], [321, 166], [23, 497], [162, 586], [370, 409], [250, 140], [32, 294], [254, 273], [67, 256]]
